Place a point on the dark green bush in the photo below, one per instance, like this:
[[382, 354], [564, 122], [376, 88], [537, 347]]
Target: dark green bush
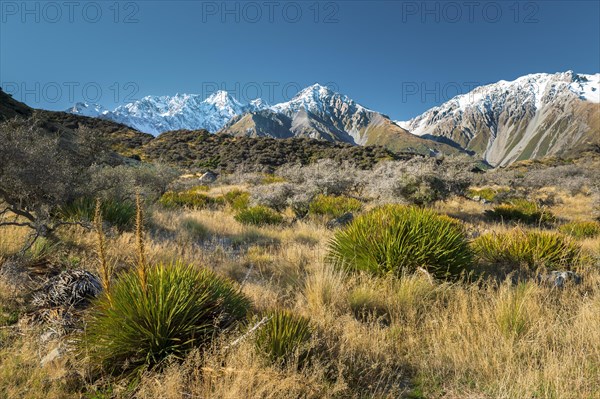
[[118, 213], [188, 199], [258, 216], [333, 206], [284, 336], [398, 239], [531, 250], [522, 211], [237, 199], [181, 308]]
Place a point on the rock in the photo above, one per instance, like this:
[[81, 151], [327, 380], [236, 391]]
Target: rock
[[207, 178], [71, 288], [53, 355], [559, 279], [340, 221], [476, 198]]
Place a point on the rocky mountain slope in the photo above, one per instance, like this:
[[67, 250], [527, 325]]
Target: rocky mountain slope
[[531, 117], [317, 112]]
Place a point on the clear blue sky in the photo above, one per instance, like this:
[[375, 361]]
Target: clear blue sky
[[397, 57]]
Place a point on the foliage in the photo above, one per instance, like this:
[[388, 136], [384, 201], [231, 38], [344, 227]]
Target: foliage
[[237, 199], [523, 211], [581, 229], [398, 239], [43, 170], [284, 335], [487, 193], [332, 206], [188, 199], [258, 216], [178, 309], [117, 213], [534, 249]]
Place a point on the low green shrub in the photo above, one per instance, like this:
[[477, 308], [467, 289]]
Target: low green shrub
[[237, 199], [258, 216], [188, 199], [118, 213], [284, 336], [581, 229], [487, 193], [400, 239], [521, 211], [333, 206], [180, 307], [516, 249]]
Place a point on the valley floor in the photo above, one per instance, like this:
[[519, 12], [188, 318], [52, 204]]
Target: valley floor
[[373, 336]]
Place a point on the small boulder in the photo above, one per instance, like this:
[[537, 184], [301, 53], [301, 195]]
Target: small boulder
[[208, 177], [559, 279], [341, 221]]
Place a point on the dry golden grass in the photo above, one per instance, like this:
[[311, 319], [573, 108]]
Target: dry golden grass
[[377, 337]]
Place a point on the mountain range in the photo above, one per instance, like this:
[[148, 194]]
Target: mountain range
[[531, 117]]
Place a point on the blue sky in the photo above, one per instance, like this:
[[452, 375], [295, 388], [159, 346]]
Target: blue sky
[[397, 57]]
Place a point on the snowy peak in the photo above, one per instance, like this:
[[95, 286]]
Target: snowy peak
[[532, 116], [157, 114], [85, 109]]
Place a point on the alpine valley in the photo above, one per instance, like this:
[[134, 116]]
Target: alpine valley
[[531, 117]]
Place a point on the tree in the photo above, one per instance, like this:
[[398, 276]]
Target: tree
[[42, 167]]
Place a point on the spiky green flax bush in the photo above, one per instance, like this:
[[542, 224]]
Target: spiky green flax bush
[[283, 336], [180, 307], [399, 239], [531, 250]]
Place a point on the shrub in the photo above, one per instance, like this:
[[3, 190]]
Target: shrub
[[274, 195], [488, 194], [521, 210], [328, 205], [581, 229], [398, 239], [188, 199], [118, 213], [258, 216], [179, 308], [284, 335], [237, 199], [532, 249]]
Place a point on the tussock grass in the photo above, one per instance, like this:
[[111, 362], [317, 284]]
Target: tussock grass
[[581, 229], [519, 249], [333, 206], [399, 239], [258, 216], [522, 211], [174, 309], [284, 336]]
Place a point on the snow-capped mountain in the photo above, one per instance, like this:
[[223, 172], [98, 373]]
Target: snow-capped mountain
[[533, 116], [157, 114], [320, 113], [86, 109]]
